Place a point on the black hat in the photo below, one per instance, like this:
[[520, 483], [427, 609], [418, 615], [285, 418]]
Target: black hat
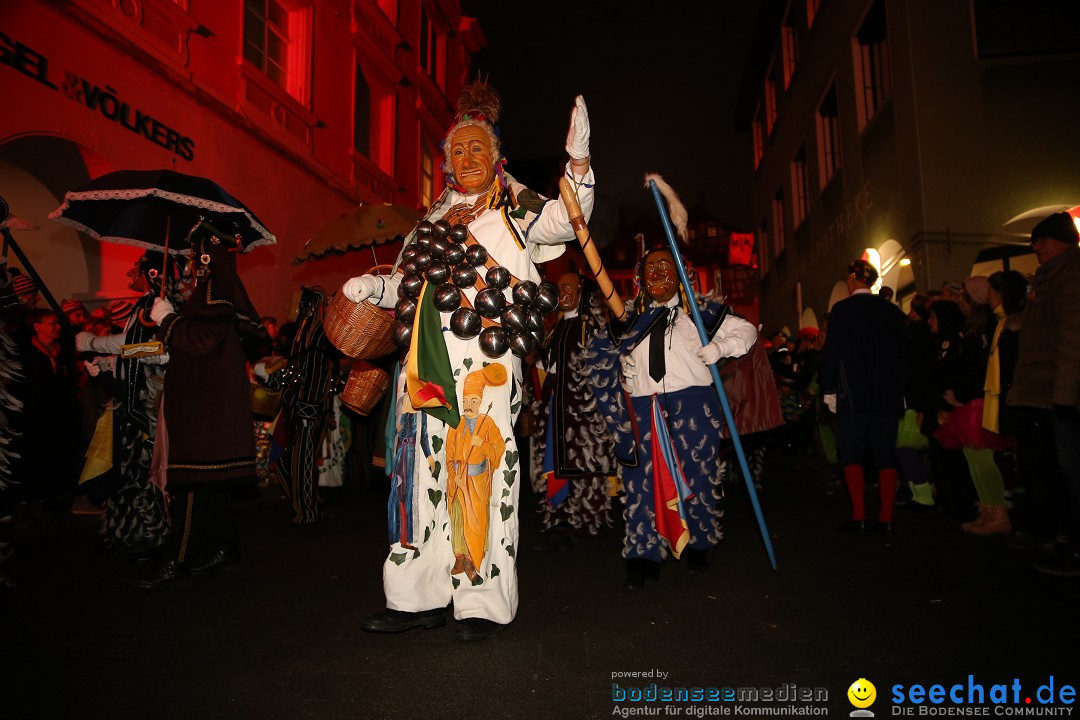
[[863, 271], [1059, 226]]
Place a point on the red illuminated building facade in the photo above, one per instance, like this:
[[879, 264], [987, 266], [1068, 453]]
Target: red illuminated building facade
[[299, 108]]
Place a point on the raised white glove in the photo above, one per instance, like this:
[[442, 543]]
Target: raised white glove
[[830, 401], [359, 289], [84, 342], [161, 309], [577, 140], [260, 371], [91, 367], [709, 354]]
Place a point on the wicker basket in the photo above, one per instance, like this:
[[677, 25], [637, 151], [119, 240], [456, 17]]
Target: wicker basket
[[365, 387], [265, 403], [360, 330]]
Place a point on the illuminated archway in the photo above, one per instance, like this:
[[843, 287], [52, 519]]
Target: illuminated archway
[[35, 172]]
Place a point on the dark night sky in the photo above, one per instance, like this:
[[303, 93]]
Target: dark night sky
[[660, 79]]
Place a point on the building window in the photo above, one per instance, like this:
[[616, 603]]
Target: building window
[[277, 41], [800, 202], [811, 12], [873, 78], [432, 49], [361, 114], [759, 136], [789, 41], [763, 256], [770, 101], [828, 131], [778, 222], [373, 121], [427, 174]]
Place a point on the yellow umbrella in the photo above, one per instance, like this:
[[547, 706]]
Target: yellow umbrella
[[364, 226]]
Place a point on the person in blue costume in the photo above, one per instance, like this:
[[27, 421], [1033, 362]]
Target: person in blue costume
[[655, 389]]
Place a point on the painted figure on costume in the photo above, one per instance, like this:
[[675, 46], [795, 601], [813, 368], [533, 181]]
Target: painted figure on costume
[[668, 438], [474, 450], [469, 304]]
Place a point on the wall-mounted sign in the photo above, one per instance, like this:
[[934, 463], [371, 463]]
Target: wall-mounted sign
[[105, 100], [740, 248]]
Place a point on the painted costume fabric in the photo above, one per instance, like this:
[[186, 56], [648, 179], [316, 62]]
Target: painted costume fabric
[[463, 482], [572, 455], [690, 414]]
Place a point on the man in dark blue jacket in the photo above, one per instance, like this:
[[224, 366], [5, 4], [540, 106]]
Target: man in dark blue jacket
[[862, 381]]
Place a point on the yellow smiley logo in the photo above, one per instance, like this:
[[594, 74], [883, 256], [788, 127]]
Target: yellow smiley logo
[[862, 693]]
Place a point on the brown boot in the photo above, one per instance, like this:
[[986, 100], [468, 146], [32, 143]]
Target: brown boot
[[997, 522], [984, 511], [459, 565]]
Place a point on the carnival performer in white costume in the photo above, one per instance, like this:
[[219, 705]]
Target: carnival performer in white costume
[[466, 297]]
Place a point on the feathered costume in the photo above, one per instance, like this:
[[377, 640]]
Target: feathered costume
[[572, 456]]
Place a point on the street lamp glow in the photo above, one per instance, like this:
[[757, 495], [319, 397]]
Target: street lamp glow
[[904, 262]]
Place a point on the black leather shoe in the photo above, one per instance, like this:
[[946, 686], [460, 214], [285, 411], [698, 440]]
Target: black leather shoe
[[639, 572], [395, 621], [223, 558], [883, 528], [855, 527], [697, 561], [168, 574], [476, 629], [555, 543]]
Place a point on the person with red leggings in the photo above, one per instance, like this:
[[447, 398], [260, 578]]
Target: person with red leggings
[[863, 374]]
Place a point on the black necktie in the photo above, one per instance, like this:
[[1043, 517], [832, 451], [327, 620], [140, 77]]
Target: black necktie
[[657, 367]]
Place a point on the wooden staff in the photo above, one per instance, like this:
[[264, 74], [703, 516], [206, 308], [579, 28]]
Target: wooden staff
[[581, 229]]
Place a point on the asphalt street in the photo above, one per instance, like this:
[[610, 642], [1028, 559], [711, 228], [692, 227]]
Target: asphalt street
[[279, 636]]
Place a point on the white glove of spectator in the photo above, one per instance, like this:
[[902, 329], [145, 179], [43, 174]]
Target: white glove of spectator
[[91, 367], [577, 140], [162, 308], [709, 354], [359, 289], [162, 359], [830, 401], [83, 343], [260, 371]]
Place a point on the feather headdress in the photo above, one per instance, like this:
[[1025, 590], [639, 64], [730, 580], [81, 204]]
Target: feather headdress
[[480, 101], [676, 210]]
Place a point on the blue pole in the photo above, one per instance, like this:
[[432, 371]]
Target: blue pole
[[717, 382]]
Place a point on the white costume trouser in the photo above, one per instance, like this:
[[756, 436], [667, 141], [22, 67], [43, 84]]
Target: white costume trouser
[[420, 579]]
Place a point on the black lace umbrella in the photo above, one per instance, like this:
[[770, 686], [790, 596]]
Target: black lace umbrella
[[157, 210]]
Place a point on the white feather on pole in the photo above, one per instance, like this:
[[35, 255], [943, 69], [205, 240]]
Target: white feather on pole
[[676, 210]]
